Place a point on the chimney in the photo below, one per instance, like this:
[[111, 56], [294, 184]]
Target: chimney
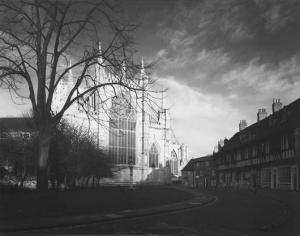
[[277, 105], [220, 144], [216, 149], [242, 125], [261, 114]]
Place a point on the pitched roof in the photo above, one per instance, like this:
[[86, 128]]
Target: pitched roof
[[8, 124], [285, 119], [190, 167], [204, 158]]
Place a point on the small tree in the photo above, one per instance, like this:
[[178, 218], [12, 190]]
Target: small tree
[[21, 153], [60, 149], [74, 154], [36, 38], [94, 163]]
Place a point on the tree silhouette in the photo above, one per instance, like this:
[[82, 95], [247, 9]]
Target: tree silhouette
[[37, 40]]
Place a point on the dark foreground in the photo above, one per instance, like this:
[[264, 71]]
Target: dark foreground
[[235, 213], [23, 205]]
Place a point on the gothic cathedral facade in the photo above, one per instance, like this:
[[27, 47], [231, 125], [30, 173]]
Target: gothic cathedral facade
[[129, 133]]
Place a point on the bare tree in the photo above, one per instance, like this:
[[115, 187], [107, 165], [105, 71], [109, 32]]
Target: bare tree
[[37, 40]]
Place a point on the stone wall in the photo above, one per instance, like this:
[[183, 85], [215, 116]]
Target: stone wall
[[121, 175]]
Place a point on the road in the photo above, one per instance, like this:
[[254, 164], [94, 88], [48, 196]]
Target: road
[[235, 213]]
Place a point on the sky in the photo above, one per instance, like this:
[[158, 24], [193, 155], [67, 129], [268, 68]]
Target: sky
[[220, 61]]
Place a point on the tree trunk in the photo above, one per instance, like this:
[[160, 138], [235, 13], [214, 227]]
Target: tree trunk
[[43, 156], [22, 181], [23, 174]]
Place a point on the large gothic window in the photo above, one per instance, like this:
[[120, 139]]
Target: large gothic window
[[153, 157], [122, 126], [174, 163]]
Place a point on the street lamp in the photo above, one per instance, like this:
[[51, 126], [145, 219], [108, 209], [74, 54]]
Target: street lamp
[[130, 164]]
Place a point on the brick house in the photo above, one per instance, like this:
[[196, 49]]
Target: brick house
[[199, 172]]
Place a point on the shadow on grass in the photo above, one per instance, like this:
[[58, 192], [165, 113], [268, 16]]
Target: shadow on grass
[[19, 204]]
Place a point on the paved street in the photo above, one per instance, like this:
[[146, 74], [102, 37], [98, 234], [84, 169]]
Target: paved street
[[234, 213], [291, 226]]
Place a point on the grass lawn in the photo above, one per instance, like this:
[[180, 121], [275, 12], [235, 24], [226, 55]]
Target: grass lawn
[[85, 201]]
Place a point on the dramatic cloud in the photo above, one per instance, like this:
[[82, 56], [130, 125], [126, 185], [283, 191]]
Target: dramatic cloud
[[242, 52], [221, 60], [212, 111]]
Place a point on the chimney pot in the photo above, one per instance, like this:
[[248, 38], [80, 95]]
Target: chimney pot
[[261, 114], [242, 125], [276, 105]]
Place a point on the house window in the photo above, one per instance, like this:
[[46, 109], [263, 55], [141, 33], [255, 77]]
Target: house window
[[284, 142], [238, 155], [284, 174], [267, 147], [254, 151], [246, 153]]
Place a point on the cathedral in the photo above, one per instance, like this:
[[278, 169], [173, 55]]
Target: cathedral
[[130, 133]]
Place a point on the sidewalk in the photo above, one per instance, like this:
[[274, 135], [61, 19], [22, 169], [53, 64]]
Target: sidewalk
[[31, 224]]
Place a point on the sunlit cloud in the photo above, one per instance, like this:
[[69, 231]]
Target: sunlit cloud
[[221, 60], [211, 91], [204, 117]]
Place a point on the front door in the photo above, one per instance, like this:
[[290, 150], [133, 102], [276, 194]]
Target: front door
[[294, 181], [274, 179]]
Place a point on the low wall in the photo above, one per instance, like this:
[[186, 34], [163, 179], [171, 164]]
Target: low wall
[[121, 175]]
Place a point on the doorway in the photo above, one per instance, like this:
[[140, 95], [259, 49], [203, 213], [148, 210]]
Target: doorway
[[274, 179], [294, 179]]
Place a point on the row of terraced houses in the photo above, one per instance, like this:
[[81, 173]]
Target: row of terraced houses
[[265, 154]]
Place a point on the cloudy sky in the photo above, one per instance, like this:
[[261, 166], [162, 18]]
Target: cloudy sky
[[220, 60]]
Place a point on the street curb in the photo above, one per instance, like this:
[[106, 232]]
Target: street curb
[[199, 200]]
